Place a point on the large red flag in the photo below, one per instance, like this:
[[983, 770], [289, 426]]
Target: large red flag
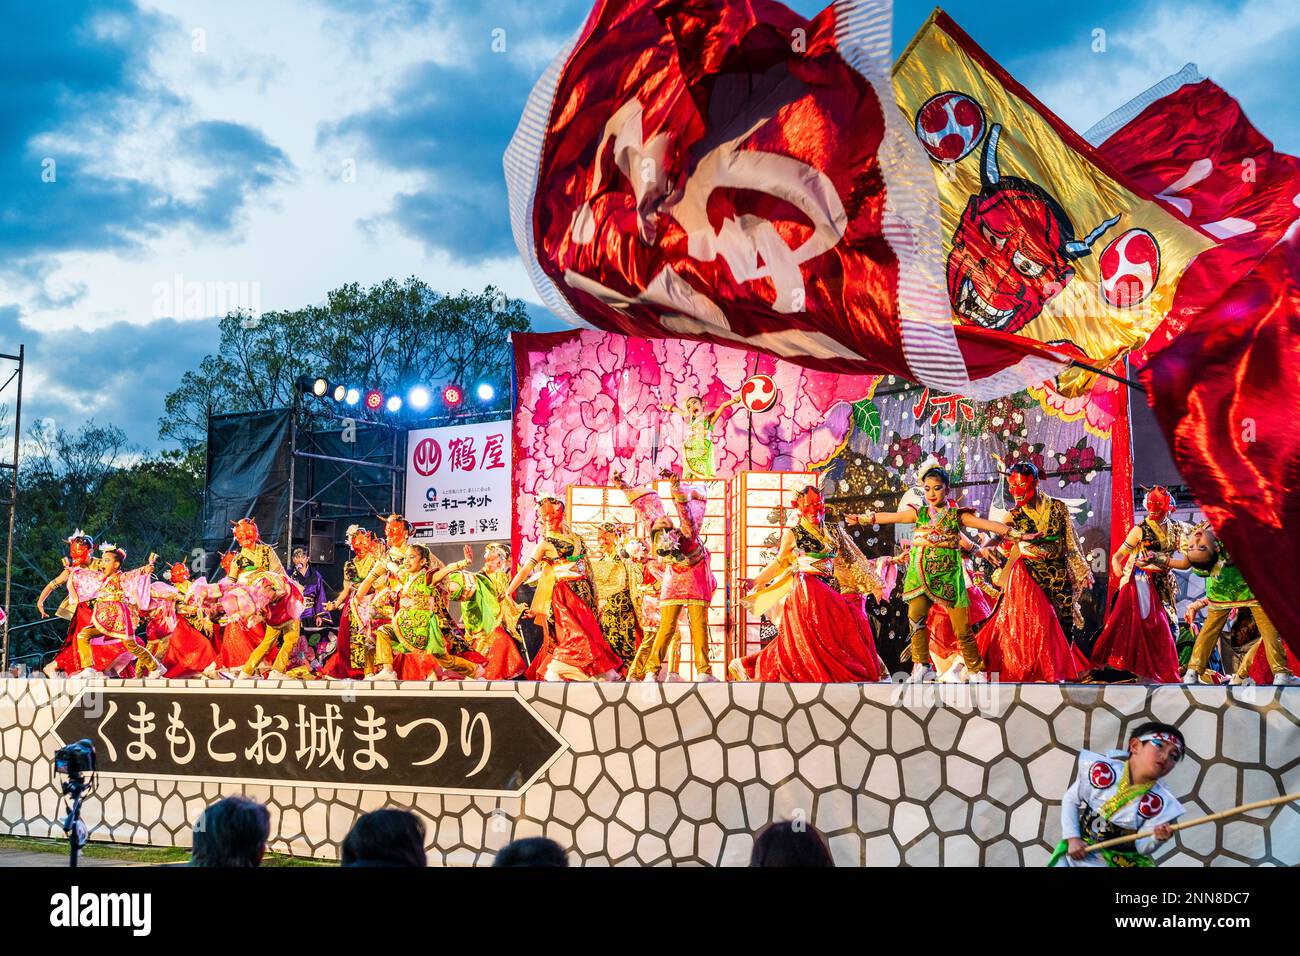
[[1224, 372], [1188, 143], [733, 172], [1226, 392]]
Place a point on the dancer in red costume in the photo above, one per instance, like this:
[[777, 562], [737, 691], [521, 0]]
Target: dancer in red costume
[[119, 597], [260, 592], [75, 610], [564, 604], [1138, 638], [237, 637], [348, 661], [814, 591], [1024, 641], [488, 623], [179, 627]]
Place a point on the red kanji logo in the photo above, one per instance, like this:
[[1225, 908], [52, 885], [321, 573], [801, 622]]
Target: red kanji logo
[[462, 454], [493, 452]]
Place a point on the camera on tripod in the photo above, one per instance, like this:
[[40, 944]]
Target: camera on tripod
[[75, 761]]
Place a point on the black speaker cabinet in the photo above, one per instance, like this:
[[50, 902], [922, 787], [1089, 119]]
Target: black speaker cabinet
[[320, 546]]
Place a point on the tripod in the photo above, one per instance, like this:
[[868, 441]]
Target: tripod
[[76, 787]]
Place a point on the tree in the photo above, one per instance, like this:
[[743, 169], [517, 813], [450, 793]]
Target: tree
[[391, 335], [93, 480]]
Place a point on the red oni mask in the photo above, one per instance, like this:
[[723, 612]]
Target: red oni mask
[[178, 573], [1022, 487], [395, 530], [1012, 250], [78, 552], [551, 513], [1159, 502], [811, 506], [246, 532]]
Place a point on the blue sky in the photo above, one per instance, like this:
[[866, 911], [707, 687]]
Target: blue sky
[[273, 151]]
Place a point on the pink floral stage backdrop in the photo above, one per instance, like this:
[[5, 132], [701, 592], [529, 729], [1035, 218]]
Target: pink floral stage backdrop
[[588, 403]]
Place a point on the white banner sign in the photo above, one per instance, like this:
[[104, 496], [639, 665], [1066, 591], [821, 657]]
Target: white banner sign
[[458, 482]]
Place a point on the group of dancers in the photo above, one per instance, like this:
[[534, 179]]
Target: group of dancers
[[983, 598]]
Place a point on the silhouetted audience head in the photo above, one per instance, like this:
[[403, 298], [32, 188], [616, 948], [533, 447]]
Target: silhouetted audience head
[[532, 851], [386, 838], [231, 832], [790, 844]]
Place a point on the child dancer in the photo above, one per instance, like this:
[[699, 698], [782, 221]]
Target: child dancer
[[1119, 794]]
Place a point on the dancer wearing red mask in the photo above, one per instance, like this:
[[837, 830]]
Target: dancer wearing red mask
[[564, 604], [118, 597], [351, 659], [1026, 638], [814, 592], [1138, 637], [179, 628], [74, 609], [934, 572], [264, 593]]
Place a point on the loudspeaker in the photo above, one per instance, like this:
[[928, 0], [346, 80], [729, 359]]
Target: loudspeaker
[[320, 545]]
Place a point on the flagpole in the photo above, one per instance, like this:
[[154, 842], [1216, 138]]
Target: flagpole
[[1110, 375]]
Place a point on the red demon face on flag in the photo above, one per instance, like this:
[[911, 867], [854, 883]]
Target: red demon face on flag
[[1012, 250]]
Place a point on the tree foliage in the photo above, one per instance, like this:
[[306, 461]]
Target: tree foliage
[[93, 480], [392, 335]]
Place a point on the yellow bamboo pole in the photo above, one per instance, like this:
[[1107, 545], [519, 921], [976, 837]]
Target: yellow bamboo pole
[[1232, 812]]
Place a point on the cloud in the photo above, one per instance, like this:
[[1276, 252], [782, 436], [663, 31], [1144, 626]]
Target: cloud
[[76, 88], [116, 374], [242, 163], [449, 123], [1246, 47]]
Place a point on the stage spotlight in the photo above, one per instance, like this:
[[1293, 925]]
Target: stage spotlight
[[452, 396], [340, 392], [418, 397], [319, 387], [374, 399], [486, 392], [394, 403], [353, 396]]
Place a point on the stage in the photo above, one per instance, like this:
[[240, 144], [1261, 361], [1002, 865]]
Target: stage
[[646, 774]]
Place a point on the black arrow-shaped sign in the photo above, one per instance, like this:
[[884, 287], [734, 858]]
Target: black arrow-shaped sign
[[439, 741]]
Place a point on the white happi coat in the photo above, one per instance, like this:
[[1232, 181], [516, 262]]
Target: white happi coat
[[1098, 781]]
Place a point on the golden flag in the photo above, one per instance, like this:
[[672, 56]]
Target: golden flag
[[1045, 238]]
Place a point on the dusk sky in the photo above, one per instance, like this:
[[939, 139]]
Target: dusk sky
[[295, 145]]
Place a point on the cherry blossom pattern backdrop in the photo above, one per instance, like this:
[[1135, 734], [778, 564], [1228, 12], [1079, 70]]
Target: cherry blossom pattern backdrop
[[588, 404]]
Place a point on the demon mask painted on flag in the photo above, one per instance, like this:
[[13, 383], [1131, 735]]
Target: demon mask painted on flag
[[1045, 239]]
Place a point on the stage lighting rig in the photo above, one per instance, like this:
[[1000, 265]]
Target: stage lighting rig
[[452, 396]]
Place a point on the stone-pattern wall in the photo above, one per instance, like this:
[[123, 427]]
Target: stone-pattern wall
[[685, 774]]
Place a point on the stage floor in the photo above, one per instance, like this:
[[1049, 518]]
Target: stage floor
[[648, 774]]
